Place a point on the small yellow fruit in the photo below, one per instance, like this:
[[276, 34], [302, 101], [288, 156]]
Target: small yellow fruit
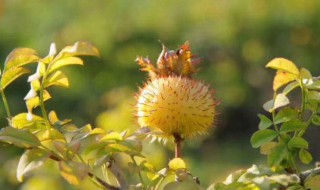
[[176, 105]]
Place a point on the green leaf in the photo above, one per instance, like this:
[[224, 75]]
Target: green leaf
[[305, 156], [314, 86], [283, 64], [30, 159], [293, 125], [280, 100], [265, 122], [64, 62], [73, 172], [286, 114], [177, 163], [18, 137], [316, 120], [262, 136], [19, 57], [277, 154], [57, 79], [313, 95], [312, 182], [12, 74], [298, 142]]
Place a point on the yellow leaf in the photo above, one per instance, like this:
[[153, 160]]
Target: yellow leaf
[[112, 136], [64, 62], [10, 75], [78, 49], [34, 102], [20, 122], [19, 57], [282, 78], [73, 172], [57, 79], [284, 65], [177, 163], [53, 118], [97, 131]]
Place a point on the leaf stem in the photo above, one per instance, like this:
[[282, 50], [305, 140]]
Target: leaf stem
[[303, 99], [139, 173], [6, 105], [41, 100]]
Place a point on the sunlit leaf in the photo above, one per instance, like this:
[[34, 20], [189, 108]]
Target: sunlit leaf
[[58, 79], [277, 154], [20, 122], [262, 136], [19, 137], [30, 159], [53, 118], [280, 100], [35, 85], [73, 172], [177, 163], [80, 48], [286, 114], [284, 65], [50, 134], [293, 125], [265, 122], [305, 156], [112, 136], [12, 74], [282, 78], [64, 62], [97, 131], [35, 102], [19, 57], [298, 142]]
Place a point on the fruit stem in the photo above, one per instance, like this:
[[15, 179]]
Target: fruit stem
[[178, 145]]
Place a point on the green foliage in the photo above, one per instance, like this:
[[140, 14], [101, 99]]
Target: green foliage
[[103, 156]]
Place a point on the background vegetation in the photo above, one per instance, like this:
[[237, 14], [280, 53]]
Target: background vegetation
[[234, 38]]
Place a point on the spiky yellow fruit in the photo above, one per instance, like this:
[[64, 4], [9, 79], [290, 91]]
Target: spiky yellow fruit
[[177, 106]]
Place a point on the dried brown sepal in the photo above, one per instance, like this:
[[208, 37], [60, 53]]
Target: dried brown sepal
[[171, 63]]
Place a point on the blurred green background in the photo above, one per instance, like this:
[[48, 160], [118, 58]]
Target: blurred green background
[[234, 38]]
